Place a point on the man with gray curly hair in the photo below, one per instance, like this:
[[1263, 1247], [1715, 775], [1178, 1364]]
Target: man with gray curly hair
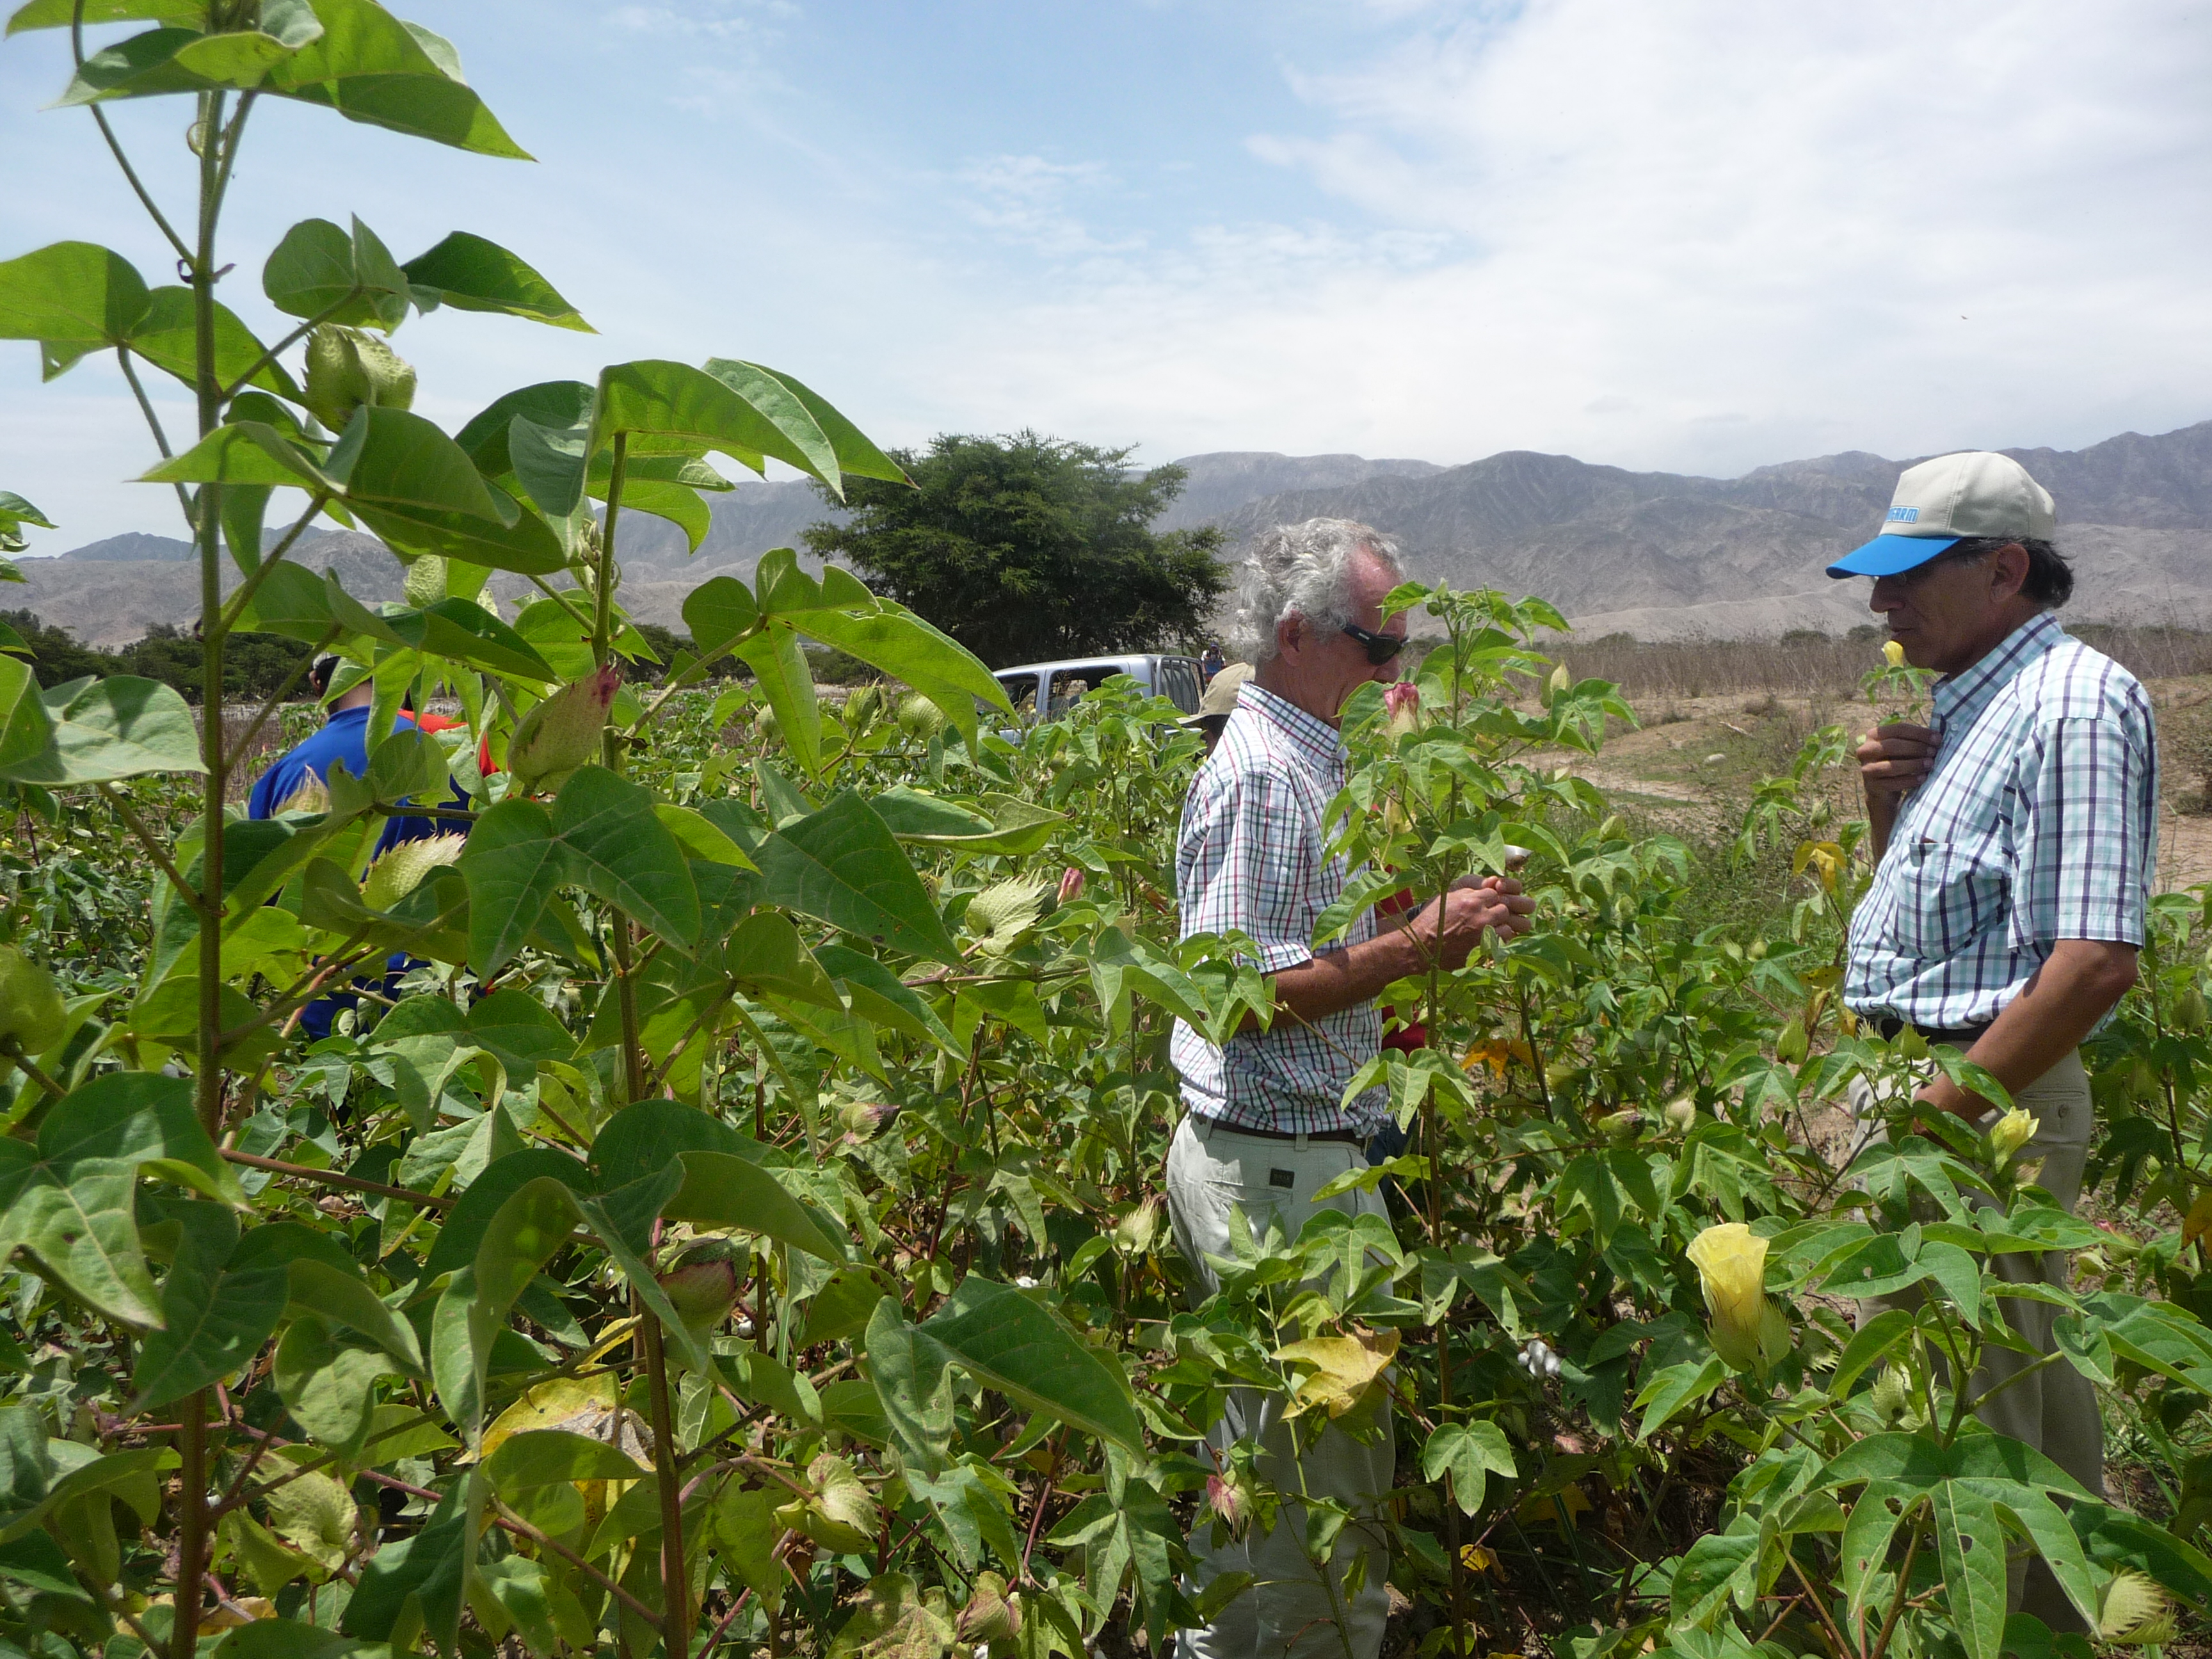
[[1267, 1124]]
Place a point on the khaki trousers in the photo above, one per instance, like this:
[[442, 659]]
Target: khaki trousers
[[1290, 1612], [2054, 1409]]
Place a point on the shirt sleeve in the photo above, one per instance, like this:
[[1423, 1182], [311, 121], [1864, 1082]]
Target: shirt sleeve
[[2084, 837], [1252, 870]]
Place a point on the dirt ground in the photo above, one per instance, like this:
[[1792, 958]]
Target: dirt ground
[[1694, 761]]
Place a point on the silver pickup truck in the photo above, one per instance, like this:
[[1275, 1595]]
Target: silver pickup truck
[[1046, 691]]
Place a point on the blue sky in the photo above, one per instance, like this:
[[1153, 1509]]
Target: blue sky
[[1678, 234]]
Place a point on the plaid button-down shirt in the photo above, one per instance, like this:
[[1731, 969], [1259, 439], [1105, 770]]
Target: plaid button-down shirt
[[2038, 823], [1253, 855]]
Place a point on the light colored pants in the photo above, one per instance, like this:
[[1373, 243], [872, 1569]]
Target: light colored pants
[[2054, 1409], [1290, 1612]]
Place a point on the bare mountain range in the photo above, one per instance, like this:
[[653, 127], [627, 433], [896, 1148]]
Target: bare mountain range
[[1656, 554]]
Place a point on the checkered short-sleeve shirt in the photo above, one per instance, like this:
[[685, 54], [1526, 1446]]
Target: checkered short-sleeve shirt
[[2038, 823], [1253, 855]]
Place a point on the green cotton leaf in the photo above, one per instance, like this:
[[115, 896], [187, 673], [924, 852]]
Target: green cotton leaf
[[27, 731], [431, 1569], [345, 1298], [329, 1388], [213, 1324], [1468, 1453], [1864, 1548], [878, 995], [1007, 1341], [464, 632], [125, 1473], [903, 645], [167, 336], [2047, 1527], [646, 1136], [543, 1457], [550, 464], [395, 461], [1873, 1341], [854, 453], [787, 680], [72, 293], [1970, 1545], [165, 62], [371, 67], [470, 274], [319, 270], [555, 405], [529, 546], [842, 866], [1675, 1391], [746, 1531], [58, 14], [722, 1190], [784, 410], [517, 1030], [910, 1373], [680, 505], [465, 1224], [619, 851], [670, 408], [245, 452], [1710, 1572], [2115, 1540], [513, 864], [69, 1200]]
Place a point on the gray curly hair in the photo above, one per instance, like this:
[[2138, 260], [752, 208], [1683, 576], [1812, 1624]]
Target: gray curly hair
[[1304, 570]]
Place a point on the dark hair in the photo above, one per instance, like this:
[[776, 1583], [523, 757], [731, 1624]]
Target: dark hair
[[319, 677], [2050, 579]]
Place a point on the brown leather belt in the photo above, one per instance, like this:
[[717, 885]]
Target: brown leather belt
[[1214, 1124]]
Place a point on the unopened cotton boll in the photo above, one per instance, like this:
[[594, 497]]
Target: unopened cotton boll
[[347, 369], [562, 732]]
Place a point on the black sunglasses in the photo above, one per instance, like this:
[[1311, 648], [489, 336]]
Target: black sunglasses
[[1381, 647]]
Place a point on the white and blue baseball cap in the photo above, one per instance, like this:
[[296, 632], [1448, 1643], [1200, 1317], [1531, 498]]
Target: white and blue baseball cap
[[1975, 492]]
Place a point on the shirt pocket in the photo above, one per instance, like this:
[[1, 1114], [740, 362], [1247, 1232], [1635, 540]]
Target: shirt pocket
[[1950, 894]]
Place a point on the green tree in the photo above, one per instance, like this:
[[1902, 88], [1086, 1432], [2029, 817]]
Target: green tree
[[1026, 547]]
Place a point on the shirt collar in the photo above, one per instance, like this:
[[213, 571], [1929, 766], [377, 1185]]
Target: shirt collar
[[1963, 695], [1315, 736]]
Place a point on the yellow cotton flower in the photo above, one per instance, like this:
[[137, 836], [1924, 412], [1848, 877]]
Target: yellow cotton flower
[[1894, 653], [1749, 1332], [2010, 1132]]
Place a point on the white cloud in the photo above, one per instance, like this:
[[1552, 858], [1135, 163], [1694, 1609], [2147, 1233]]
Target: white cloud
[[1694, 234]]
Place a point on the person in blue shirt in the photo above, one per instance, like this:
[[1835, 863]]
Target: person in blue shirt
[[344, 737]]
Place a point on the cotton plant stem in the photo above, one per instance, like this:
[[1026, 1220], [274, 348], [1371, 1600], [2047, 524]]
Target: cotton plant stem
[[12, 1051], [335, 1178], [675, 1587]]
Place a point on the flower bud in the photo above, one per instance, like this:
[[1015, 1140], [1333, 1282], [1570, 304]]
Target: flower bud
[[702, 1285], [1894, 653], [992, 1614], [1403, 701], [862, 708], [2189, 1010], [1622, 1125], [1791, 1046], [312, 796], [1682, 1115], [2009, 1134], [347, 369], [767, 728], [561, 733], [1071, 884], [426, 581], [1230, 1500], [401, 870], [1749, 1332], [31, 1011], [919, 718]]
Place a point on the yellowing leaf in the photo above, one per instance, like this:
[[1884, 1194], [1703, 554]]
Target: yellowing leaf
[[314, 1513], [1343, 1368]]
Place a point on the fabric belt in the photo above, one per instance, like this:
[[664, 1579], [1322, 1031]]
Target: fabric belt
[[1951, 1036], [1205, 1127]]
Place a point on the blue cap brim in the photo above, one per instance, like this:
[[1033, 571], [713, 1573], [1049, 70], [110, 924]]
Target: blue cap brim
[[1886, 555]]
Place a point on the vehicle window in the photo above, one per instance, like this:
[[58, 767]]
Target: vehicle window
[[1071, 685], [1022, 692], [1181, 687]]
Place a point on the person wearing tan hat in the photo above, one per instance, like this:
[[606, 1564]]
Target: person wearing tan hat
[[1219, 702], [2015, 837]]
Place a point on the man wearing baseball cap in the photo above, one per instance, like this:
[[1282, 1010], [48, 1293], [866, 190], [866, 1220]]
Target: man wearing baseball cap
[[2015, 837]]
